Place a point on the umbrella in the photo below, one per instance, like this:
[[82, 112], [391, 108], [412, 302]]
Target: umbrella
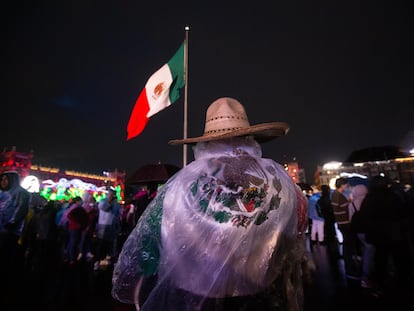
[[152, 173], [356, 179], [353, 181]]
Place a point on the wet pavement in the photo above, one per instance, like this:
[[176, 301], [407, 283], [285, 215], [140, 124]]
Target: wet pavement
[[78, 287], [331, 290]]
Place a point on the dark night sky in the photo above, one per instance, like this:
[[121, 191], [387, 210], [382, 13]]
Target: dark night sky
[[339, 72]]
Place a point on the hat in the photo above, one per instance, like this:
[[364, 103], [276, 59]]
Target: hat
[[226, 117]]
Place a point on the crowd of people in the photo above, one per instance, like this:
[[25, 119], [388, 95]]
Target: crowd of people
[[368, 227], [228, 231], [73, 230], [38, 237]]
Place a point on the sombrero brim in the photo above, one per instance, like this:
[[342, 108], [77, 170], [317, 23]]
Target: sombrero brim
[[261, 132]]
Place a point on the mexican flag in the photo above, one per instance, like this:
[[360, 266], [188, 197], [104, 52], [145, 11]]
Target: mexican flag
[[161, 90]]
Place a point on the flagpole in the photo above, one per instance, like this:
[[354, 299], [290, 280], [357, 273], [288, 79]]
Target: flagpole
[[187, 29]]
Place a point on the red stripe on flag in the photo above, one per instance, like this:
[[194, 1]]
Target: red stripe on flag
[[138, 119]]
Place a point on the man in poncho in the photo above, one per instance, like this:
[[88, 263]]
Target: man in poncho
[[225, 232]]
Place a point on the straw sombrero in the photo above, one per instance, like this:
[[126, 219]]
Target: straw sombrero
[[226, 117]]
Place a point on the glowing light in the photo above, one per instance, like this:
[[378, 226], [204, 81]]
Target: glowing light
[[359, 164], [31, 183], [35, 167], [350, 175], [332, 182], [86, 175], [65, 189], [332, 165]]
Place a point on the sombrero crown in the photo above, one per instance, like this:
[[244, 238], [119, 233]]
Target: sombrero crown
[[226, 117]]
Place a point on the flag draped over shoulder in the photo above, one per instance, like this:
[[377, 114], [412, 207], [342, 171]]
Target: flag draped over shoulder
[[161, 90]]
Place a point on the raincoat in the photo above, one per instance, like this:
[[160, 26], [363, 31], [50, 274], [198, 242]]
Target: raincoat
[[228, 225], [14, 213]]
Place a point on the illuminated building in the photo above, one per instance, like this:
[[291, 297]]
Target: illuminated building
[[57, 184], [386, 160], [11, 160], [296, 173]]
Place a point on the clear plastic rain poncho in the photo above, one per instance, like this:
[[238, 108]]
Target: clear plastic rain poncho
[[226, 226]]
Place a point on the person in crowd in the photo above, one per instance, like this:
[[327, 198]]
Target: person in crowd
[[143, 198], [77, 222], [327, 212], [41, 252], [380, 217], [14, 207], [340, 203], [107, 229], [404, 250], [91, 207], [226, 232], [6, 209], [127, 220], [317, 235], [62, 211], [118, 239], [384, 214], [128, 217], [62, 224], [14, 215], [406, 193], [358, 193], [35, 201], [28, 237], [409, 190]]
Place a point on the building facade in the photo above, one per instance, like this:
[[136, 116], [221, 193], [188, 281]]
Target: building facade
[[399, 169], [50, 178]]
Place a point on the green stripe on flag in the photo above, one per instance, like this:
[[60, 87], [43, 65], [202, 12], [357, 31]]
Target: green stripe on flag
[[176, 65]]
